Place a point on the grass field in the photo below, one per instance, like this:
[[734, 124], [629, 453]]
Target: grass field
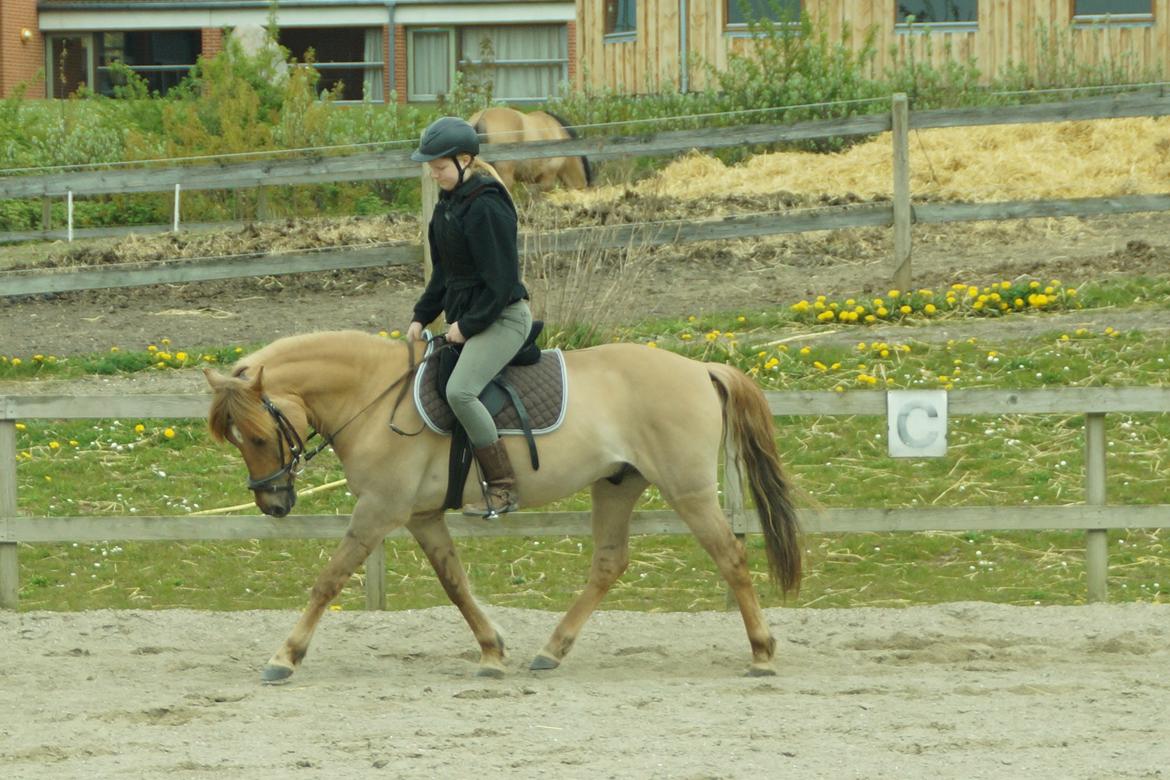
[[164, 467]]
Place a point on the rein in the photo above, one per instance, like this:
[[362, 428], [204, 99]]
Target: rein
[[287, 435]]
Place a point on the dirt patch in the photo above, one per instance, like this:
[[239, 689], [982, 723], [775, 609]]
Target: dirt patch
[[952, 690], [672, 281]]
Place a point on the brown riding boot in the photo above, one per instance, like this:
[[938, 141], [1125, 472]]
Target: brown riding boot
[[500, 492]]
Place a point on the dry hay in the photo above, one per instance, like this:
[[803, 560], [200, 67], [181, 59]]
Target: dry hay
[[1004, 162]]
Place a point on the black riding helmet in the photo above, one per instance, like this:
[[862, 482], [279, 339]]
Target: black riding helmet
[[446, 137]]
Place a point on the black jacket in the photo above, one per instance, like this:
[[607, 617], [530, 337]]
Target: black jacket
[[476, 266]]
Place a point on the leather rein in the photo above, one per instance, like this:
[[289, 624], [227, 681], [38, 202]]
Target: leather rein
[[288, 438]]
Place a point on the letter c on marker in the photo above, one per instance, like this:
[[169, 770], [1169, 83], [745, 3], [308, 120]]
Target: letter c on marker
[[904, 429]]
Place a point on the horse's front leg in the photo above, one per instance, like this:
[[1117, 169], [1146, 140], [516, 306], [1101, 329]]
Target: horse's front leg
[[433, 536], [367, 527]]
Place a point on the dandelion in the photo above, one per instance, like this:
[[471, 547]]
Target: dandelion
[[686, 337], [139, 428], [169, 433], [805, 350], [652, 344], [21, 426], [181, 357], [54, 445], [929, 309], [16, 361], [905, 309], [395, 334], [800, 306], [115, 349]]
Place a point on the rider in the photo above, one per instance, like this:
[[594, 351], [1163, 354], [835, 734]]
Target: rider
[[476, 284]]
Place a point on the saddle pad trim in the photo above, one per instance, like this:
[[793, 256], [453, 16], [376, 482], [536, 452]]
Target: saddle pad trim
[[554, 354]]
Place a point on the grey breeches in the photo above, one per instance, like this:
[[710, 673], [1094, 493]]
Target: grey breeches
[[485, 355]]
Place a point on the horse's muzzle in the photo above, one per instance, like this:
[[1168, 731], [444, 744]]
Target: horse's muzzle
[[276, 501]]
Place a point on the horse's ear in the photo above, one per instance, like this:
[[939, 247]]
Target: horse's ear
[[256, 383], [214, 378]]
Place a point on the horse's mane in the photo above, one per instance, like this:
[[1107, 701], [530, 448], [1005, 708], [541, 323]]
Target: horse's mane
[[235, 404]]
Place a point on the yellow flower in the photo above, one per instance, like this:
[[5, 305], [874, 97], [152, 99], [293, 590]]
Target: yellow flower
[[114, 349], [741, 318], [1064, 337], [335, 607], [395, 334], [894, 293], [805, 350], [16, 361], [972, 292], [800, 306], [169, 433], [1033, 285], [826, 315], [712, 336], [21, 427], [882, 311], [152, 348], [686, 337], [870, 318], [139, 428], [978, 305], [905, 309], [1070, 292], [181, 357], [54, 445], [73, 442], [884, 353], [818, 364], [238, 350], [38, 358], [838, 389], [383, 334], [1005, 285], [652, 344], [929, 308]]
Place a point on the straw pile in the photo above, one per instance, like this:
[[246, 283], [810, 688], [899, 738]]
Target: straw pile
[[1008, 162]]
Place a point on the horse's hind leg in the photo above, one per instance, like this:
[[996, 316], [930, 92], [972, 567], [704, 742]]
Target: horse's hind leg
[[434, 538], [705, 518], [612, 507]]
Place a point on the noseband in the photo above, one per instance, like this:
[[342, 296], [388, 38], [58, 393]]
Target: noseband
[[287, 438]]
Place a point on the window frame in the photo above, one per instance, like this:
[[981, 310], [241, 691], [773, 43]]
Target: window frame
[[744, 28], [618, 36], [462, 60], [1141, 19], [378, 66], [903, 27], [99, 46], [452, 58], [88, 45]]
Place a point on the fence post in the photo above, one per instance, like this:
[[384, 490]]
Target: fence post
[[376, 577], [430, 196], [733, 503], [175, 223], [9, 565], [1096, 539], [69, 216], [901, 136]]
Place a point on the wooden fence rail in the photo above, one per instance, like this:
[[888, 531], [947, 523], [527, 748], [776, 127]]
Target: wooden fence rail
[[900, 214], [1095, 517]]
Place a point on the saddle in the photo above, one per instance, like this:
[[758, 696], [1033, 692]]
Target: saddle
[[529, 397]]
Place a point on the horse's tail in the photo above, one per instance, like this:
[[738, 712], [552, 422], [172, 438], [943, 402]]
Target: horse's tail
[[573, 134], [748, 423]]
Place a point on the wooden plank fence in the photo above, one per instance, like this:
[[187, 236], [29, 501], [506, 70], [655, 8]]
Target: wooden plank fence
[[1096, 517], [900, 214]]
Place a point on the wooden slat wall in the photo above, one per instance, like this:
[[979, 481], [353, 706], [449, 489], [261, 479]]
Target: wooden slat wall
[[1009, 31]]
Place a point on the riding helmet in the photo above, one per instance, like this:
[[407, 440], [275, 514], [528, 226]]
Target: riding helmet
[[446, 137]]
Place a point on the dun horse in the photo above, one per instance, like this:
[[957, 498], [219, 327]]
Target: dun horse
[[635, 417], [507, 126]]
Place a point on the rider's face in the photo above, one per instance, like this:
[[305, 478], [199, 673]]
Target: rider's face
[[444, 172]]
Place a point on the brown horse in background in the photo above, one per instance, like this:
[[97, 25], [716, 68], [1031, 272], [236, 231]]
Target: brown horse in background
[[507, 126], [636, 417]]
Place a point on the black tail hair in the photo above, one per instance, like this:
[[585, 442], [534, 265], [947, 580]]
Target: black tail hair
[[573, 134]]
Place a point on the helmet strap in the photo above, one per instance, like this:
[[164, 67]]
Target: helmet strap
[[460, 168]]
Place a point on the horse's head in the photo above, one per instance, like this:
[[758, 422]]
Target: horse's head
[[268, 430]]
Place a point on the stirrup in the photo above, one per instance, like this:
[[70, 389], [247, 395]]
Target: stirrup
[[490, 512]]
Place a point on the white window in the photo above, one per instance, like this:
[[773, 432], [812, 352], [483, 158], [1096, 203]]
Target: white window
[[524, 62]]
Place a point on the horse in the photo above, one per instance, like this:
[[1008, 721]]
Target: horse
[[635, 416], [507, 125]]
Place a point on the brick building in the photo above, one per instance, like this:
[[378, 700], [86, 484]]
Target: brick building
[[373, 49]]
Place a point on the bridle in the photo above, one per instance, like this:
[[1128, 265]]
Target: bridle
[[288, 438]]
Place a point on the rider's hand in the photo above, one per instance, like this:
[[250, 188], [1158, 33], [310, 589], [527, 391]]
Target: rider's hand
[[414, 332], [454, 335]]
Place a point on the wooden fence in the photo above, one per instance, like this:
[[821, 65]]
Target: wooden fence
[[1095, 516], [899, 214]]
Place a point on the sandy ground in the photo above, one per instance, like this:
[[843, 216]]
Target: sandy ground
[[960, 690]]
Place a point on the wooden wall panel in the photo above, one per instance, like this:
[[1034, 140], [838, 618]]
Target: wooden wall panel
[[1008, 32]]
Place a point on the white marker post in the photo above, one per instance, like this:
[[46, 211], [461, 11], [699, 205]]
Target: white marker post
[[69, 216], [917, 423], [175, 223]]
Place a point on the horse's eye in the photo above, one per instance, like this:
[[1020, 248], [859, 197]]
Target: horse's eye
[[259, 441]]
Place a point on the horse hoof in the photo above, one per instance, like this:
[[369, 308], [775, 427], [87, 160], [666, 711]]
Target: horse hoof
[[494, 672], [275, 675], [543, 663], [761, 671]]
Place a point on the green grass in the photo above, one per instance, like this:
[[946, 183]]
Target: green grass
[[127, 467]]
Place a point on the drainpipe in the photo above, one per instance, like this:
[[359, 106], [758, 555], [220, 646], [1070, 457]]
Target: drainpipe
[[684, 75]]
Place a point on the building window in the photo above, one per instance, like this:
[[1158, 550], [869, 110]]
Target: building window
[[621, 17], [523, 62], [744, 12], [1122, 9], [349, 59], [161, 58], [936, 11], [431, 58], [69, 64]]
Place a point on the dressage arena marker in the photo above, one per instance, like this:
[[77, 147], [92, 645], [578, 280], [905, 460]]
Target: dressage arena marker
[[916, 422]]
